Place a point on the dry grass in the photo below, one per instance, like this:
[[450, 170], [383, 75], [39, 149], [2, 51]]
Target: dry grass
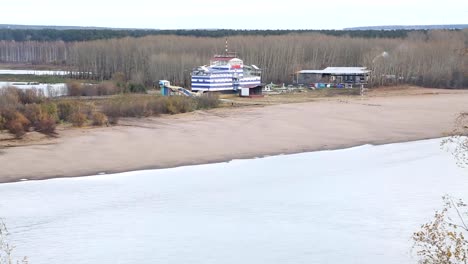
[[141, 106]]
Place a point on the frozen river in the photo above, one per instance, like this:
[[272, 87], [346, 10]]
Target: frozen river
[[48, 89], [33, 72], [357, 205]]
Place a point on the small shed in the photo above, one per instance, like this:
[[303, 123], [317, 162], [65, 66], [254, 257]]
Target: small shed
[[255, 91]]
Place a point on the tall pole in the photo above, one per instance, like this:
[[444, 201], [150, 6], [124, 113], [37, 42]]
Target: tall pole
[[226, 46]]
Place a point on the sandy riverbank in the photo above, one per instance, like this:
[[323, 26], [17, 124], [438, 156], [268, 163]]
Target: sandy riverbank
[[232, 133]]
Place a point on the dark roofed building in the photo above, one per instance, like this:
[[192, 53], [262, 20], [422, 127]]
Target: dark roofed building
[[334, 75]]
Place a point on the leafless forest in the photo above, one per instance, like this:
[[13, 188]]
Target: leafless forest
[[435, 59]]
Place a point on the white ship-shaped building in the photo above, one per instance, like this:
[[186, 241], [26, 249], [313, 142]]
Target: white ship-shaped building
[[225, 73]]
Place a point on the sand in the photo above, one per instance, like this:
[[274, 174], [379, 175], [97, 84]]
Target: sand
[[234, 133]]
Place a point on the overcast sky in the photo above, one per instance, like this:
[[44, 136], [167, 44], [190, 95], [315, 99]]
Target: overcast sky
[[238, 14]]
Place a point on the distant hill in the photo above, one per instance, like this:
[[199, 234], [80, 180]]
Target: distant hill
[[42, 27], [414, 27], [408, 27]]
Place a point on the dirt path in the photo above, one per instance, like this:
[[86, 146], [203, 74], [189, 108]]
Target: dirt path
[[225, 134]]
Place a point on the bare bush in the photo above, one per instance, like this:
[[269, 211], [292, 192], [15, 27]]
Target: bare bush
[[126, 106], [158, 106], [74, 88], [99, 119], [9, 98], [107, 88], [78, 119], [2, 122], [180, 104], [113, 120], [30, 96], [46, 125], [65, 109], [33, 112], [16, 128], [16, 123], [89, 90], [50, 110], [86, 108], [207, 101]]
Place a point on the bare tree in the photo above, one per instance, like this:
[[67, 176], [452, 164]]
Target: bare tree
[[457, 143], [6, 249], [443, 240]]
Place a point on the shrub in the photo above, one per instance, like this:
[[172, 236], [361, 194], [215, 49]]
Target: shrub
[[50, 110], [33, 113], [180, 104], [119, 78], [99, 119], [65, 109], [171, 108], [113, 120], [89, 90], [30, 96], [78, 119], [107, 88], [16, 128], [16, 123], [137, 108], [126, 106], [157, 106], [12, 115], [46, 125], [87, 109], [9, 98], [74, 88], [2, 122], [136, 88], [207, 101], [111, 108]]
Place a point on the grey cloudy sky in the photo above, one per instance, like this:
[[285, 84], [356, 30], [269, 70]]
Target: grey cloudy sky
[[238, 14]]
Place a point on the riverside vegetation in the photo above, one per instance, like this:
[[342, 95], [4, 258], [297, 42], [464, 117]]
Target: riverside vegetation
[[27, 110]]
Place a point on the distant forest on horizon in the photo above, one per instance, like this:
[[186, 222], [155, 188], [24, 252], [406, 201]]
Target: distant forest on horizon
[[72, 35]]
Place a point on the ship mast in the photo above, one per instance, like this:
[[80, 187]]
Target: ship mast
[[227, 50]]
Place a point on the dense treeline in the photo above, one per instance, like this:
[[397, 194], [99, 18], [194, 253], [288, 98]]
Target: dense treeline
[[70, 35], [435, 58], [34, 52]]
